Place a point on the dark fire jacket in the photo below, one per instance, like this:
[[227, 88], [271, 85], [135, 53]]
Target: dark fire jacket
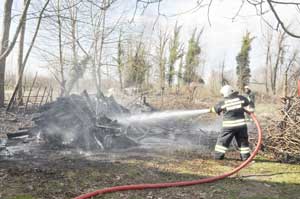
[[233, 111]]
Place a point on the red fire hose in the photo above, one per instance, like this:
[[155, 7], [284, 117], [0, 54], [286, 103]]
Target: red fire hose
[[183, 183]]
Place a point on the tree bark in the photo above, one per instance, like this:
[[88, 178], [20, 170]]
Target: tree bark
[[61, 62], [99, 76], [120, 62], [280, 52], [268, 62], [4, 45], [15, 37], [27, 55], [20, 60], [74, 43]]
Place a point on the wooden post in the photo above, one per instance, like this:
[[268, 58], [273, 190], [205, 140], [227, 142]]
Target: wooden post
[[20, 61], [30, 90], [45, 89], [162, 97], [51, 95], [37, 95], [24, 88], [48, 95]]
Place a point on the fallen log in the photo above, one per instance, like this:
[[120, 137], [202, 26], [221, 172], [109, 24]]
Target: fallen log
[[19, 133]]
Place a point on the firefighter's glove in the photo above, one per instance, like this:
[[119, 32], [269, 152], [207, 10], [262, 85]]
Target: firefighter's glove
[[249, 109]]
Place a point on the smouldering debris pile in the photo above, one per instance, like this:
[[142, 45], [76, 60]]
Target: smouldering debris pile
[[72, 122], [92, 124]]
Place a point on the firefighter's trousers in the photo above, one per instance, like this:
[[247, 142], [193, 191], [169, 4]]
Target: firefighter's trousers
[[240, 134]]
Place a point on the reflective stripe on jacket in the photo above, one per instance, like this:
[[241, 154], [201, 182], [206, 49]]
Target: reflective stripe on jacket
[[234, 123], [233, 111]]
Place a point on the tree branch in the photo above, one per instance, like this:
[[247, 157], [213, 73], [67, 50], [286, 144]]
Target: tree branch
[[208, 12], [27, 55], [284, 2], [280, 22], [12, 44]]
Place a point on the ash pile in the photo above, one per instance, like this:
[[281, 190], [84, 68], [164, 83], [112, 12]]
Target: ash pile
[[79, 121]]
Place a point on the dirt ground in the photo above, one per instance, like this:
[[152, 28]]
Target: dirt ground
[[53, 174], [61, 177]]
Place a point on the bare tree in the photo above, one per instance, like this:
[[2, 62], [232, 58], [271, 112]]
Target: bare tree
[[78, 66], [180, 72], [27, 54], [9, 48], [106, 4], [291, 62], [20, 60], [279, 60], [100, 34], [268, 60], [161, 54], [224, 80], [259, 6], [60, 48], [4, 45], [119, 60]]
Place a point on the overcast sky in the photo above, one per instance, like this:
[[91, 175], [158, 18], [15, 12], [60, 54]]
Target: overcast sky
[[221, 39]]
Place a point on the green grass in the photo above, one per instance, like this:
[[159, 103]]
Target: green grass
[[266, 108], [23, 197], [274, 172]]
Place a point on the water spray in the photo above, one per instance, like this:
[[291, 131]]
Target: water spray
[[152, 117], [182, 183]]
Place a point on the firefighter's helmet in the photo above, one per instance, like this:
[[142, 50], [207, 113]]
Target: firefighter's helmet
[[226, 90]]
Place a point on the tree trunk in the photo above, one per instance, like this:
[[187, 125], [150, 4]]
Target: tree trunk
[[163, 39], [27, 55], [120, 78], [266, 82], [275, 70], [75, 61], [20, 61], [16, 34], [120, 62], [267, 64], [280, 53], [4, 44], [99, 76], [61, 62], [285, 83]]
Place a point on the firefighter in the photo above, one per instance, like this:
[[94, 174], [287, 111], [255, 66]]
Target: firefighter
[[251, 98], [234, 124]]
